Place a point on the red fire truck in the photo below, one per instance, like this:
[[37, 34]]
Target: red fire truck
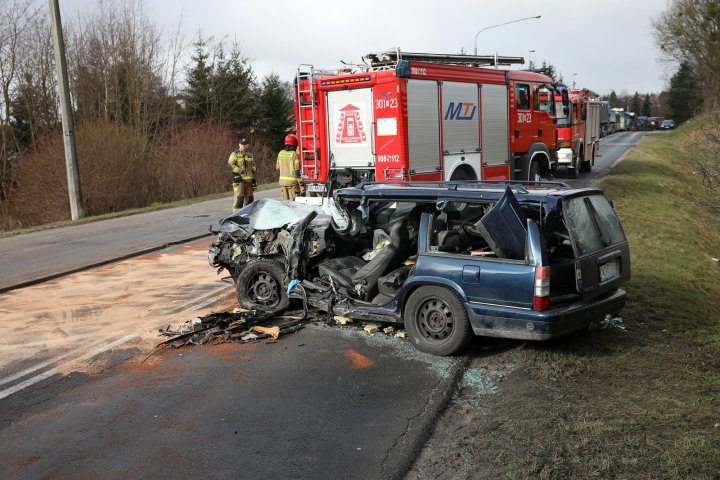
[[578, 122], [419, 116]]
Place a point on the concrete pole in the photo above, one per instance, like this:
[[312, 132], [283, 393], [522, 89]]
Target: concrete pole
[[73, 174]]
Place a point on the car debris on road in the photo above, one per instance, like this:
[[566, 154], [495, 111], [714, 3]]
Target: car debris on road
[[241, 326]]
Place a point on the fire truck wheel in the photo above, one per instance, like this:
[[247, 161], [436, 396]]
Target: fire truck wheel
[[575, 172], [587, 166], [461, 174], [534, 172]]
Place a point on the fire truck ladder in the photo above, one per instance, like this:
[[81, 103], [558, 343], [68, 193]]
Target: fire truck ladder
[[307, 123], [391, 57]]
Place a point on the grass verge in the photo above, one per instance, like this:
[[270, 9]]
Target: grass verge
[[638, 403], [133, 211]]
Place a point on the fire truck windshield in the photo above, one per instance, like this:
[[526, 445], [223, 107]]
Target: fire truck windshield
[[562, 119]]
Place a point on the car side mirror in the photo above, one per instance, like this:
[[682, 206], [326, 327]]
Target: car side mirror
[[583, 113], [566, 110]]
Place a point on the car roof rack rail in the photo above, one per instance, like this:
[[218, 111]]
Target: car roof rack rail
[[453, 184]]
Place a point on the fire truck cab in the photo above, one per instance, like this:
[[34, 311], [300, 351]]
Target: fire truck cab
[[413, 116], [578, 129]]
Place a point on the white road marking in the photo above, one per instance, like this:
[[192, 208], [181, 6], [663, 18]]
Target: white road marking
[[202, 302], [50, 361], [49, 373]]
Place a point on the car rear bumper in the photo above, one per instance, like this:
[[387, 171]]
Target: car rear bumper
[[522, 324]]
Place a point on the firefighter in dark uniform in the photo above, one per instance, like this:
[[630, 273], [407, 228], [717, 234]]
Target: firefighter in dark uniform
[[288, 163], [243, 168]]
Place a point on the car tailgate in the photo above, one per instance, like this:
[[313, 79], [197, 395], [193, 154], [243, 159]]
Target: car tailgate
[[601, 249]]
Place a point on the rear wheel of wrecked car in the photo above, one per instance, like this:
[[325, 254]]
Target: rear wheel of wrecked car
[[436, 321], [259, 285]]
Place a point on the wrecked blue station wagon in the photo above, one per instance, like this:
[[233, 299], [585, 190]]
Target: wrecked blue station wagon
[[523, 260]]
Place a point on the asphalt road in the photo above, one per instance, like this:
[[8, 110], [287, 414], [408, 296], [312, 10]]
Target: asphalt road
[[31, 257], [611, 149], [321, 403]]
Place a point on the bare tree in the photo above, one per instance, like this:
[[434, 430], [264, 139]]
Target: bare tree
[[15, 18], [119, 67], [705, 156], [689, 30]]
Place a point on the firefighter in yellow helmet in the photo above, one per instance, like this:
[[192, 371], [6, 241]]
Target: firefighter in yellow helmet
[[288, 163], [243, 168]]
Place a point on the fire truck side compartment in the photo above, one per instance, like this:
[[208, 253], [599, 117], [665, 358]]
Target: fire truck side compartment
[[423, 126], [461, 128], [495, 134]]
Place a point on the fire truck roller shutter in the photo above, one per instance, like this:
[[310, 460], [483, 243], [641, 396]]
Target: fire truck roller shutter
[[350, 128], [592, 132], [461, 131], [423, 124], [495, 125]]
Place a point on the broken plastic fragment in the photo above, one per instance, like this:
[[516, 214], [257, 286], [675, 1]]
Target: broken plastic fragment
[[371, 328], [343, 320], [249, 336], [272, 331]]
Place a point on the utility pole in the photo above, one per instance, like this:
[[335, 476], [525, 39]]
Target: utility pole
[[73, 175]]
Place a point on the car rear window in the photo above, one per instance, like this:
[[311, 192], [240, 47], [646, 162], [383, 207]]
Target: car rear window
[[594, 223]]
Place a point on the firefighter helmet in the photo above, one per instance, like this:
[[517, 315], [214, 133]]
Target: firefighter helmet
[[291, 140]]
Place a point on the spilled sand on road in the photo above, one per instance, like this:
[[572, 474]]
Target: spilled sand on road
[[107, 303]]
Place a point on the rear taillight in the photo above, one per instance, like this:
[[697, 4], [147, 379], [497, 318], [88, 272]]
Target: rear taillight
[[541, 301]]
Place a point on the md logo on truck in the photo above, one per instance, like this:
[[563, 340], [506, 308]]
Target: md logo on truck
[[460, 111]]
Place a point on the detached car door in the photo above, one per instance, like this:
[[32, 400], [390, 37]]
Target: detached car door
[[602, 254]]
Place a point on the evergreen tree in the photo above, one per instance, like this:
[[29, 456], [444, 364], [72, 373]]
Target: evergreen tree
[[198, 95], [234, 89], [552, 72], [613, 99], [635, 104], [647, 107], [275, 109], [684, 97]]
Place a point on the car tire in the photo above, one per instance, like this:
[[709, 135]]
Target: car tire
[[260, 286], [436, 321]]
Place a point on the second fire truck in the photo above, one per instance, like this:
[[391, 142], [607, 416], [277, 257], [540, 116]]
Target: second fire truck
[[578, 129], [417, 116]]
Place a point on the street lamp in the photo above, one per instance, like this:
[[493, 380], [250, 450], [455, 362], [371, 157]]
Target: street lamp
[[573, 76], [500, 25], [530, 52]]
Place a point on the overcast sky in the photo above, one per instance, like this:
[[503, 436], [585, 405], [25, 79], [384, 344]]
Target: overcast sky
[[608, 43]]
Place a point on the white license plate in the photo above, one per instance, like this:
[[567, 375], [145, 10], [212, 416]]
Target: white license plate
[[317, 187], [609, 270]]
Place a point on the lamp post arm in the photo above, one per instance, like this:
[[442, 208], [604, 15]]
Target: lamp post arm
[[500, 25]]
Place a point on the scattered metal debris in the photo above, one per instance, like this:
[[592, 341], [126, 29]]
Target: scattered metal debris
[[608, 322], [236, 326]]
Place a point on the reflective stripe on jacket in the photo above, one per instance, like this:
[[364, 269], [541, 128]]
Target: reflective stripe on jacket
[[243, 164], [288, 163]]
